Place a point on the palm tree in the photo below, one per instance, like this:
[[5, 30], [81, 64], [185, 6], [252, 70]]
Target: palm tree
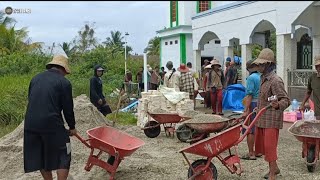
[[12, 40], [67, 48], [5, 20], [116, 39], [153, 46]]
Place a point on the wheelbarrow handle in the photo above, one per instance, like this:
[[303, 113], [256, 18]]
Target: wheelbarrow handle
[[247, 128], [82, 140]]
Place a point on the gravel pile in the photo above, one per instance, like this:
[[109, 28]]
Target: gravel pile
[[191, 113], [306, 128], [206, 118]]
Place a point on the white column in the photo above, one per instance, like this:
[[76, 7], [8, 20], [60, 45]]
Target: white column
[[197, 60], [283, 57], [228, 52], [246, 55], [294, 53], [315, 47]]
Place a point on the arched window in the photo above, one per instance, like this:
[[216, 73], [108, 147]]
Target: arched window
[[304, 52], [203, 6]]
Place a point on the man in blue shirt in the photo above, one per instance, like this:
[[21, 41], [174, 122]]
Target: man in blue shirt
[[251, 99]]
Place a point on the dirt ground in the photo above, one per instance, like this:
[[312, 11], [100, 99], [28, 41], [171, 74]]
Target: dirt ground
[[158, 159]]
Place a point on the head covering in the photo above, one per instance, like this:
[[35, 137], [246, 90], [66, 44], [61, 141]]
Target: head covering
[[169, 65], [228, 59], [183, 68], [265, 56], [250, 64], [317, 60], [206, 61], [208, 66], [215, 62], [100, 69], [60, 60], [96, 68]]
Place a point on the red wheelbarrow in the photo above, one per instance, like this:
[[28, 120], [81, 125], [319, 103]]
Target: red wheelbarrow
[[152, 128], [193, 132], [308, 132], [214, 146], [112, 141]]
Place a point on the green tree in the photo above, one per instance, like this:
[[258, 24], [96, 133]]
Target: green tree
[[67, 48], [86, 39], [12, 40], [5, 20], [153, 47]]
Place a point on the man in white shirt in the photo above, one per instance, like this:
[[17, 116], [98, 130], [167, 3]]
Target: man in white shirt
[[171, 78]]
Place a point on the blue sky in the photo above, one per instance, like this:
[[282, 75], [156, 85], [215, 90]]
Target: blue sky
[[58, 21]]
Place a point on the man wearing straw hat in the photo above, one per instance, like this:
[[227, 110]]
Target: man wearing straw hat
[[267, 127], [186, 80], [215, 83], [314, 89], [46, 143], [206, 88]]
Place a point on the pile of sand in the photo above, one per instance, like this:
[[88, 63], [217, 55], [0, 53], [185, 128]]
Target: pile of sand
[[11, 151]]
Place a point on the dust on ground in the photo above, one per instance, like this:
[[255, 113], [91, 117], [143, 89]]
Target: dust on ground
[[158, 159]]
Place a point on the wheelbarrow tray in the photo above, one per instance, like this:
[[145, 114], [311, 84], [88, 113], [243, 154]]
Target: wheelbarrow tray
[[306, 131], [163, 118], [212, 126], [213, 146], [110, 140]]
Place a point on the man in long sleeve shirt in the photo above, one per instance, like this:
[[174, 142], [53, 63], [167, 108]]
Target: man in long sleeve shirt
[[96, 93], [268, 125], [46, 141]]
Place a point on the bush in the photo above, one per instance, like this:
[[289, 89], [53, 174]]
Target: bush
[[17, 70]]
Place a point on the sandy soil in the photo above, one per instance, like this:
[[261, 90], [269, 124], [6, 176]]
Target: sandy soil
[[158, 159]]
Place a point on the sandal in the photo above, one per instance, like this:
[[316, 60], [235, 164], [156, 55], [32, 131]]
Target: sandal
[[247, 157], [266, 176], [258, 155]]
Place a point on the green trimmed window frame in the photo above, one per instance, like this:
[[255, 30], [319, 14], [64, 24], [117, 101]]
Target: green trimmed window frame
[[198, 8]]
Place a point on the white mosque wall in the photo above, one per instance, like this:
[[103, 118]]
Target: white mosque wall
[[170, 52]]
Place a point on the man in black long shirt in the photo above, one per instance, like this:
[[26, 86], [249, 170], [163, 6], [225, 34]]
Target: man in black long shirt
[[46, 140], [96, 94]]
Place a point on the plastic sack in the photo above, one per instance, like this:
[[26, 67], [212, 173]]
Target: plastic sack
[[311, 104], [309, 115]]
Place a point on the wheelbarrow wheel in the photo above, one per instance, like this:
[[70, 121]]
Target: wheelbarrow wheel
[[211, 172], [183, 133], [152, 132], [310, 159]]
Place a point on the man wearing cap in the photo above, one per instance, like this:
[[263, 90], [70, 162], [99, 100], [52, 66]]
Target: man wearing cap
[[96, 91], [250, 103], [231, 75], [171, 78], [46, 143], [268, 125], [215, 84], [314, 89], [186, 80]]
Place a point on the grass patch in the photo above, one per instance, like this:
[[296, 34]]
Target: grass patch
[[7, 128], [123, 118]]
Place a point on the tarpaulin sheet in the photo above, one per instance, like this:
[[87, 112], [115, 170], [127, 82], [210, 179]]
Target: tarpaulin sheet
[[232, 97]]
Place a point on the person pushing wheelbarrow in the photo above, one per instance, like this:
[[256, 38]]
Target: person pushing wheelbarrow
[[267, 127]]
